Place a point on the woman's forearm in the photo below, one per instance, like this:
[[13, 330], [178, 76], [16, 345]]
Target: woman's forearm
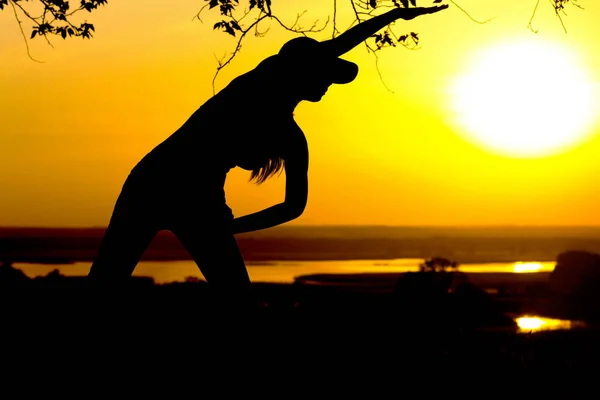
[[359, 33], [267, 218]]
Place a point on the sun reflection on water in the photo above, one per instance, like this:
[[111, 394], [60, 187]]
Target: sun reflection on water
[[528, 324], [527, 267]]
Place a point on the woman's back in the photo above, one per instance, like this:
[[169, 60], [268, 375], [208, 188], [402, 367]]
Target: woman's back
[[239, 126], [216, 132]]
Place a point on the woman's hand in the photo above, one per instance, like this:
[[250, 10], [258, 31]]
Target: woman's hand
[[410, 13]]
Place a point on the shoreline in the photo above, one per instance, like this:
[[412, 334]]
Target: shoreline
[[289, 271]]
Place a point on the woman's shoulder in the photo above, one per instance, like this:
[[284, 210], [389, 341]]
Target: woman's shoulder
[[294, 141]]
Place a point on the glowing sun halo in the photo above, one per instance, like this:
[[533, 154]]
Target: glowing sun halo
[[524, 99]]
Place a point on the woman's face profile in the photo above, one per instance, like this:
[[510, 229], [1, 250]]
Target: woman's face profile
[[312, 86]]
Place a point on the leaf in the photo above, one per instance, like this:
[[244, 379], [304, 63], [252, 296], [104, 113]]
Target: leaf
[[226, 9], [229, 30], [213, 3], [404, 3], [413, 2], [373, 3], [437, 1], [33, 33]]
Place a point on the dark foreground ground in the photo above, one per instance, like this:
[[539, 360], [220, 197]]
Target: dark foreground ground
[[305, 339]]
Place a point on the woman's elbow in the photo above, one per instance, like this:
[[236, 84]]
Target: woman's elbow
[[297, 213], [295, 210]]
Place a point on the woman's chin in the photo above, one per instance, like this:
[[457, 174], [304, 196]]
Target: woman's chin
[[313, 98]]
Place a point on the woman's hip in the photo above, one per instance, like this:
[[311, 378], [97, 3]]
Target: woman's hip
[[168, 198]]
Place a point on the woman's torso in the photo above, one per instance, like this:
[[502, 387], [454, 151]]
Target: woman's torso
[[223, 133]]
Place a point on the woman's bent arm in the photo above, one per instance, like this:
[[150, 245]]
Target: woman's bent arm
[[267, 218], [296, 194]]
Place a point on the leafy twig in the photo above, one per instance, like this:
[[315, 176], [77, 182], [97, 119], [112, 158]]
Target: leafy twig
[[469, 15], [23, 33]]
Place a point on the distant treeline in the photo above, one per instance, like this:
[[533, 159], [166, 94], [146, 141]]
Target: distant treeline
[[324, 243]]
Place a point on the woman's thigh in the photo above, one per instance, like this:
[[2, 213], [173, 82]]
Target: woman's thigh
[[131, 228], [208, 237]]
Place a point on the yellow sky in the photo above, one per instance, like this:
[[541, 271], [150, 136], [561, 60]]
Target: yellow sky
[[73, 126]]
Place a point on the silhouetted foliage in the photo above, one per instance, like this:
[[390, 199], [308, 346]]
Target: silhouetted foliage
[[574, 284], [10, 276], [429, 287], [54, 17], [559, 9], [439, 295], [438, 264]]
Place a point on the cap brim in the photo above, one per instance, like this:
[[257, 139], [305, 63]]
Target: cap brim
[[342, 71]]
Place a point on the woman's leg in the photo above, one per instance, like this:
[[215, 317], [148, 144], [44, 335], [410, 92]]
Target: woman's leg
[[127, 236], [216, 253]]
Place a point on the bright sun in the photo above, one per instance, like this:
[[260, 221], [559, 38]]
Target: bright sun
[[524, 99]]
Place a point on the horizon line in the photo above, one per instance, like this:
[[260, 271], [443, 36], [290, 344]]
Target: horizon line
[[285, 226]]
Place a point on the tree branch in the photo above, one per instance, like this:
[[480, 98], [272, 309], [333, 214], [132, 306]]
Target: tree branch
[[469, 15], [334, 31], [22, 32], [362, 10], [530, 24], [559, 7], [293, 28], [54, 19], [223, 64]]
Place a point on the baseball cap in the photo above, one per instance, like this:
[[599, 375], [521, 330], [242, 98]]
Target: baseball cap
[[307, 52]]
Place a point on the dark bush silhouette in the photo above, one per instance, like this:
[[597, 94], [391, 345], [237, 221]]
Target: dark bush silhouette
[[441, 295], [575, 285], [10, 277]]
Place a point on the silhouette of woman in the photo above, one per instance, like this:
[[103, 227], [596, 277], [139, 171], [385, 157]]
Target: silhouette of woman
[[178, 186]]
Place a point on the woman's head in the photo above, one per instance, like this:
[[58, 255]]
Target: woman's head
[[302, 70], [309, 69]]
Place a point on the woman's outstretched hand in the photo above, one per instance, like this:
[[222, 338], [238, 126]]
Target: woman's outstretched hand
[[410, 13]]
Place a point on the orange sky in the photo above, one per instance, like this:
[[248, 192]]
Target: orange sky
[[73, 126]]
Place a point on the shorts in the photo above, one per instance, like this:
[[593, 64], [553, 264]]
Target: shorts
[[167, 201]]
